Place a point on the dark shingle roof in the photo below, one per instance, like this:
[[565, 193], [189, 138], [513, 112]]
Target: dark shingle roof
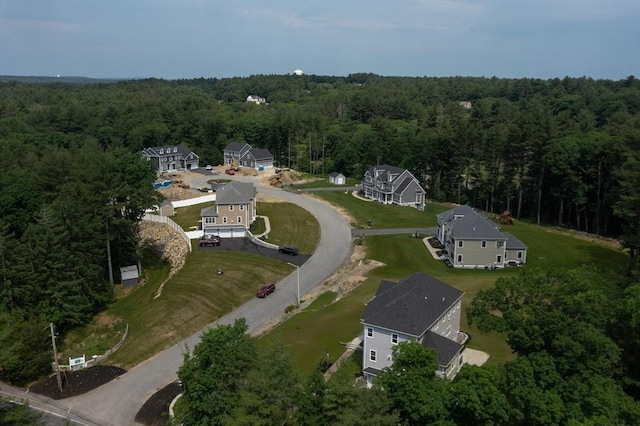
[[235, 146], [208, 211], [513, 243], [446, 349], [411, 305], [260, 154]]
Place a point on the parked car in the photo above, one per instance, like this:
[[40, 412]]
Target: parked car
[[265, 290], [230, 172], [290, 250], [209, 167], [209, 240]]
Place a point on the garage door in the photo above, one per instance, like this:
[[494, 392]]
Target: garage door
[[238, 232]]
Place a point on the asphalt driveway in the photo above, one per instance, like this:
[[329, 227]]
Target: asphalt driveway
[[248, 246]]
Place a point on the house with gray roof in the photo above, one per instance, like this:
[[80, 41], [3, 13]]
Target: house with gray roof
[[171, 157], [418, 308], [471, 240], [233, 212], [393, 185], [243, 154]]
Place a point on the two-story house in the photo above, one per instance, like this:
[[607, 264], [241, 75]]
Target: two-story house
[[233, 213], [471, 240], [419, 308], [170, 158], [393, 185], [242, 154]]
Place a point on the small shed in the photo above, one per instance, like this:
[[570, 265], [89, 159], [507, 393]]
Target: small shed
[[129, 275], [166, 208], [337, 178]]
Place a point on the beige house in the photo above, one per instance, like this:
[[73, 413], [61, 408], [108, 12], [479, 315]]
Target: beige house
[[233, 213], [471, 240]]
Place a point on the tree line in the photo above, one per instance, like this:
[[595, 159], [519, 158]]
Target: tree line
[[576, 337]]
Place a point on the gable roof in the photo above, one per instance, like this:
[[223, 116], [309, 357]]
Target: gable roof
[[411, 305], [465, 223], [209, 211], [260, 154], [445, 348], [336, 174], [236, 146], [235, 192], [154, 151]]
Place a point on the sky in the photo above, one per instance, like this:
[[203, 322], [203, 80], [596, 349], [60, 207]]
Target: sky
[[184, 39]]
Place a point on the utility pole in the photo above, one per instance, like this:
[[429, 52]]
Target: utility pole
[[55, 356]]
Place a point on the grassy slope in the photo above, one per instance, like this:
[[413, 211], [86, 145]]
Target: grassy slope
[[291, 225]]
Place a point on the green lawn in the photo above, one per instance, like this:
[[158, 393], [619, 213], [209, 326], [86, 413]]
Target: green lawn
[[323, 182], [291, 225], [189, 216], [383, 215]]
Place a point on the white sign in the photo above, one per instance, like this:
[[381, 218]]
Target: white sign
[[76, 361]]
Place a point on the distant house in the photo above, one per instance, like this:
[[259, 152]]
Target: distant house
[[471, 240], [419, 308], [393, 185], [170, 158], [256, 99], [337, 178], [242, 154], [466, 104], [233, 213]]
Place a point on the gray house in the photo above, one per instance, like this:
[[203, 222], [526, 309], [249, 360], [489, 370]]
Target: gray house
[[170, 158], [233, 213], [418, 308], [393, 185], [471, 240], [242, 154]]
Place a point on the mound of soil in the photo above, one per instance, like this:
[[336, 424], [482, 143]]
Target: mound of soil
[[76, 382], [155, 412]]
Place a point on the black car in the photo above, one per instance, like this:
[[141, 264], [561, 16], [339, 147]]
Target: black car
[[209, 240], [290, 250]]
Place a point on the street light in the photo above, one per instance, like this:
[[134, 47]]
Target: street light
[[298, 275]]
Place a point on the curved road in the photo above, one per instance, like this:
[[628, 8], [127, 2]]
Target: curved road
[[117, 402]]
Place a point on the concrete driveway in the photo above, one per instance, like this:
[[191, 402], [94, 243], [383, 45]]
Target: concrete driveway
[[117, 402]]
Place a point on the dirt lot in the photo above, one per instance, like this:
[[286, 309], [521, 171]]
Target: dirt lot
[[76, 382]]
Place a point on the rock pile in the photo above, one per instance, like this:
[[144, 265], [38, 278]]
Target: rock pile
[[166, 242]]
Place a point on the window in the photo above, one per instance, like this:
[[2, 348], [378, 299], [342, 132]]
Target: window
[[394, 339], [519, 256], [448, 332], [499, 258], [483, 244], [369, 332], [239, 219], [460, 243], [373, 355], [459, 258], [224, 219], [389, 357], [241, 207], [209, 220], [230, 207], [499, 244]]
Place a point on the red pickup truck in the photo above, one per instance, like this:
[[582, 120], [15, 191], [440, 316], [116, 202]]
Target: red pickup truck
[[265, 290]]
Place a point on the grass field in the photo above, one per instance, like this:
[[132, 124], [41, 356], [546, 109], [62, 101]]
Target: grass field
[[323, 182], [291, 225], [381, 215], [189, 216]]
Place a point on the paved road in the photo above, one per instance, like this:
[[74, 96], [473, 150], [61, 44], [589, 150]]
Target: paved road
[[425, 232], [117, 402]]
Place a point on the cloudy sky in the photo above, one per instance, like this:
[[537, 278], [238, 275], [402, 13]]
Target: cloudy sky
[[174, 39]]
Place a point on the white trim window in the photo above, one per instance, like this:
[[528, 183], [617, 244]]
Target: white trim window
[[483, 244], [519, 255], [224, 219], [209, 220], [370, 332], [459, 258], [239, 219], [394, 339], [460, 243], [241, 207], [373, 355], [230, 207], [499, 259]]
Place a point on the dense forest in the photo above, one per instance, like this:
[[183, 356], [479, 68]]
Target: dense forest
[[563, 152]]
